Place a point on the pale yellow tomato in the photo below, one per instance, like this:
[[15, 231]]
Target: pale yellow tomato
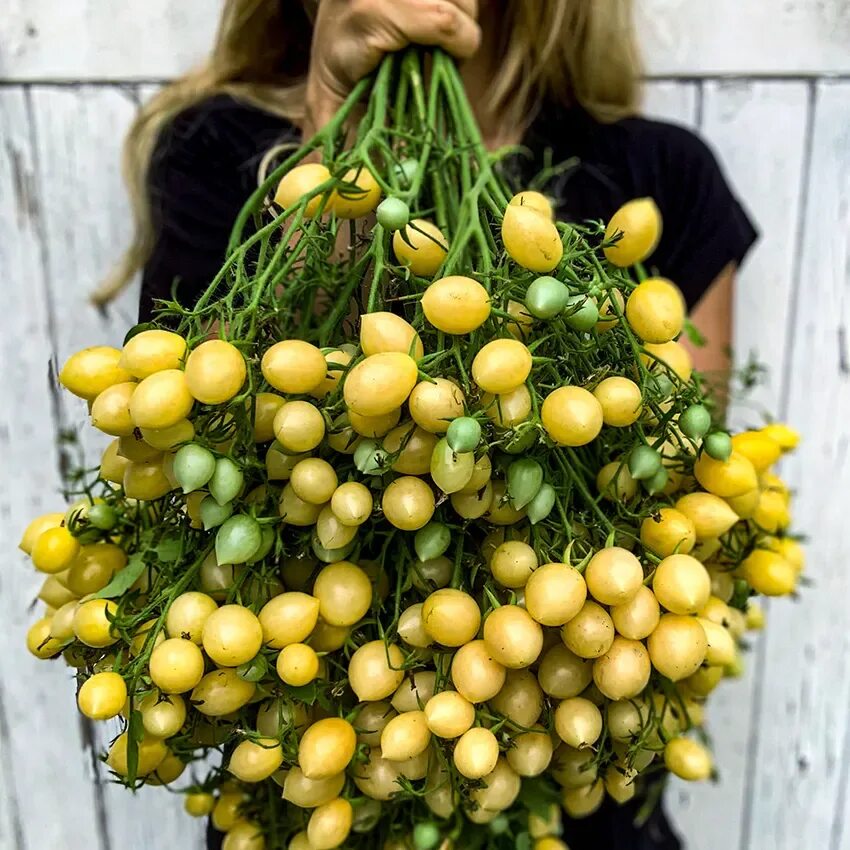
[[411, 628], [414, 691], [227, 810], [358, 195], [615, 482], [294, 366], [187, 615], [408, 503], [501, 366], [512, 637], [326, 748], [674, 355], [112, 465], [89, 372], [55, 550], [507, 409], [299, 426], [215, 371], [536, 200], [37, 527], [198, 804], [623, 671], [176, 666], [110, 411], [166, 439], [327, 638], [785, 436], [412, 447], [667, 531], [456, 304], [521, 322], [405, 736], [521, 698], [681, 584], [152, 351], [314, 480], [578, 722], [336, 361], [759, 448], [330, 824], [221, 692], [639, 223], [476, 753], [232, 635], [711, 516], [771, 513], [375, 670], [92, 622], [677, 647], [746, 504], [512, 564], [729, 478], [563, 674], [146, 481], [288, 618], [254, 761], [572, 416], [380, 383], [498, 790], [621, 401], [791, 550], [344, 593], [309, 793], [300, 182], [421, 247], [475, 504], [382, 332], [721, 650], [150, 754], [244, 836], [656, 310], [530, 752], [769, 573], [531, 238], [451, 617], [296, 511], [573, 768], [688, 759], [583, 802], [477, 676], [163, 715], [590, 633], [102, 696], [624, 719], [449, 714], [351, 503], [434, 403], [637, 618], [554, 594], [39, 641], [613, 576]]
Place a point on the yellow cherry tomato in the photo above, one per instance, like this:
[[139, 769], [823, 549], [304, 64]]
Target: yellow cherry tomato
[[153, 351], [456, 304], [572, 416], [351, 503], [554, 593], [380, 383], [94, 567], [89, 372], [309, 793], [501, 366], [451, 617], [584, 801], [746, 504], [531, 238], [232, 635], [297, 664], [146, 481], [344, 593], [314, 480], [110, 411], [791, 550], [677, 646], [187, 615], [254, 761], [531, 752], [335, 363], [512, 636], [637, 618], [112, 465], [408, 503], [102, 696], [578, 722], [507, 410], [405, 736], [536, 200], [299, 182], [215, 371], [667, 531], [266, 405], [326, 748], [769, 573], [590, 633], [299, 426], [198, 804], [244, 836], [672, 354], [639, 222], [476, 753], [681, 584], [358, 196], [421, 246], [449, 715], [621, 401], [623, 671], [176, 666], [521, 698], [727, 479], [711, 516], [222, 692], [37, 527], [151, 753], [294, 366], [373, 426], [40, 643], [330, 824], [381, 332], [434, 403], [296, 511], [92, 622], [771, 513], [374, 671], [163, 715], [288, 618], [613, 576], [786, 437], [688, 759], [656, 310], [476, 674], [55, 550], [759, 448], [615, 482], [512, 564], [412, 447]]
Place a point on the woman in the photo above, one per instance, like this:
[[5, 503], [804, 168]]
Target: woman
[[559, 76]]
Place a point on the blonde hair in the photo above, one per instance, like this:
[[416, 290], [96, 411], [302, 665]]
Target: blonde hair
[[561, 50]]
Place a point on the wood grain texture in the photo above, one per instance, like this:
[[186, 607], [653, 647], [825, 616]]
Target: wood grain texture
[[42, 766], [45, 40], [798, 767]]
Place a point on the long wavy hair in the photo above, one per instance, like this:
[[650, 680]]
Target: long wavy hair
[[566, 51]]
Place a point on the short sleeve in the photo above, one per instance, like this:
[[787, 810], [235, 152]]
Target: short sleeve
[[705, 226], [202, 172]]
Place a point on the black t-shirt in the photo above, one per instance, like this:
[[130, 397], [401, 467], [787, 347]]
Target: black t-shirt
[[206, 163]]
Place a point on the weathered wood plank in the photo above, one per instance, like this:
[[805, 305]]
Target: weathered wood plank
[[43, 767], [801, 751], [96, 40], [79, 132], [672, 101], [761, 148]]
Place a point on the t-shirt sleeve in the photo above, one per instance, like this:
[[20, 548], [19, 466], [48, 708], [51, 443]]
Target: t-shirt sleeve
[[705, 227], [203, 170]]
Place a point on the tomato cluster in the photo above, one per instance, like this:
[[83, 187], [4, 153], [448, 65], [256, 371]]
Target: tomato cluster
[[479, 562]]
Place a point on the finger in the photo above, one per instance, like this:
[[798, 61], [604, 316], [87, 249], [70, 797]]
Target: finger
[[442, 23]]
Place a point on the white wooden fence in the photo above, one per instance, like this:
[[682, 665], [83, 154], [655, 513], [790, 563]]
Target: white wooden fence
[[766, 81]]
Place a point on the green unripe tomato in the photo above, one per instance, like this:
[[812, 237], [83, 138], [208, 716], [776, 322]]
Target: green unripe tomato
[[581, 314], [546, 297], [193, 467], [657, 482], [237, 539], [405, 171], [102, 516], [393, 213], [541, 505], [525, 478], [464, 434], [426, 835], [431, 541], [695, 421], [212, 513], [226, 481], [644, 462], [718, 445]]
